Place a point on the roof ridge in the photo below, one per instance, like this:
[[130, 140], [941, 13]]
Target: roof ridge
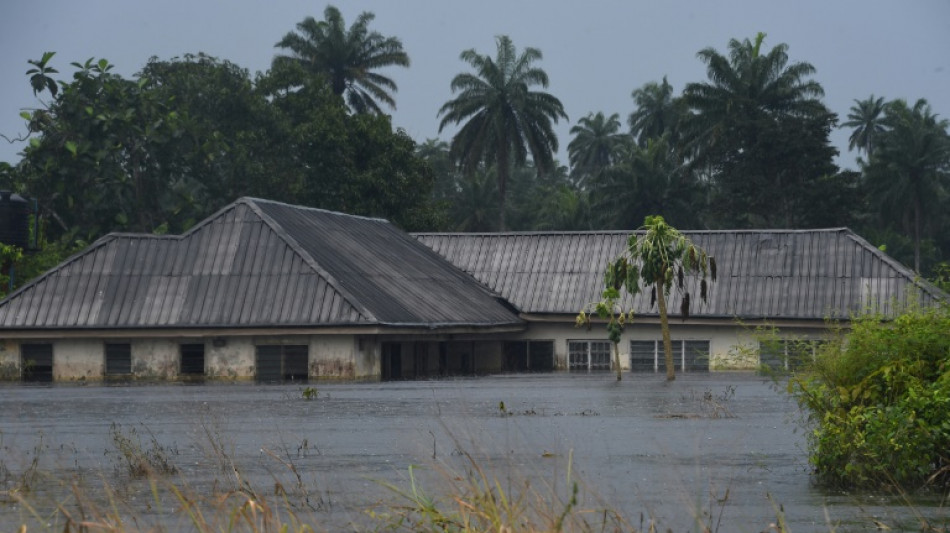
[[624, 232], [307, 258], [254, 200]]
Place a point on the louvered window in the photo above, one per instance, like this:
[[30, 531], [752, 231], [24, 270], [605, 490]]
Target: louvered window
[[588, 355], [192, 359], [36, 362], [118, 359], [648, 356], [529, 356], [787, 354], [282, 362]]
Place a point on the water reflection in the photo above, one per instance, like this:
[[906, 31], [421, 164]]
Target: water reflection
[[705, 447]]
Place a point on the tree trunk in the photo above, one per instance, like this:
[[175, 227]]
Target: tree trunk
[[665, 328], [917, 210], [503, 167], [617, 360]]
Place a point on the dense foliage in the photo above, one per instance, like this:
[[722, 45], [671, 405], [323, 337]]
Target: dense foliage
[[184, 137], [878, 401], [748, 147]]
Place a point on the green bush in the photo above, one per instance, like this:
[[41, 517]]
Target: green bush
[[878, 402]]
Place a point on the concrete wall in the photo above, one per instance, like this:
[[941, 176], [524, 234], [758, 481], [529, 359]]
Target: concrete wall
[[359, 357], [9, 360], [344, 357], [731, 347], [229, 358], [78, 360], [341, 357], [154, 359]]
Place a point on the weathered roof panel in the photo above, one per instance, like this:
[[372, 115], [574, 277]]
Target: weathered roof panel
[[262, 264], [772, 274], [395, 278]]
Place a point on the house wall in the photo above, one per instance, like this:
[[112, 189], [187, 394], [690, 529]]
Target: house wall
[[9, 360], [359, 357], [344, 357], [731, 347], [154, 359], [78, 360], [230, 358]]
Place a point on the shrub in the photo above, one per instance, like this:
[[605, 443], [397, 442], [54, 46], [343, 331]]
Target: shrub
[[877, 401]]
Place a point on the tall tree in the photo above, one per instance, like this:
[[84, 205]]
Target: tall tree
[[475, 207], [169, 146], [654, 259], [909, 172], [649, 179], [866, 117], [349, 58], [504, 119], [597, 144], [92, 163], [755, 105], [657, 112], [746, 88]]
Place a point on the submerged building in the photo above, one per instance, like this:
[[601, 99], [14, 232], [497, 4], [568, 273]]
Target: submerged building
[[269, 291]]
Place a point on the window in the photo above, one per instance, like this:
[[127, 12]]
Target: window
[[696, 356], [643, 356], [588, 355], [529, 356], [118, 359], [787, 354], [282, 362], [36, 362], [648, 356], [192, 359]]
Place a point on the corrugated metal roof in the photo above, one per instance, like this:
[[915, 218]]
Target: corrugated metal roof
[[257, 263], [773, 274]]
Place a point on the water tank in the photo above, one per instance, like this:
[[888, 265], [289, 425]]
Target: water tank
[[14, 220]]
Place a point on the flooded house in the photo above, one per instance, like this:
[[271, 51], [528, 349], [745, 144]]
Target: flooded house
[[275, 292]]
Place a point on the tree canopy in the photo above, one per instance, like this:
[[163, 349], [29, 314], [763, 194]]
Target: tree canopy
[[504, 120], [349, 58], [746, 147], [161, 150]]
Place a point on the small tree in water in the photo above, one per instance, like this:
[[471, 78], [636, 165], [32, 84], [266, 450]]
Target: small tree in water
[[654, 259]]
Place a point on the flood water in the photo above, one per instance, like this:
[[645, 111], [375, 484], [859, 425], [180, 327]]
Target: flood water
[[719, 450]]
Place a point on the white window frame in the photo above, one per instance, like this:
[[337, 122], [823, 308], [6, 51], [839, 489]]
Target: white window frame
[[587, 350], [679, 352]]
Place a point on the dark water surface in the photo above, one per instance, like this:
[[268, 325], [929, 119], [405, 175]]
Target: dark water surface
[[707, 449]]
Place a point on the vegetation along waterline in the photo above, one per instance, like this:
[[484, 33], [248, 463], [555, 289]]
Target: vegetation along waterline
[[720, 451], [877, 399]]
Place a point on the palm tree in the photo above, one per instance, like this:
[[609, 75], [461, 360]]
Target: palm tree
[[504, 119], [473, 209], [649, 179], [866, 117], [910, 168], [348, 58], [655, 257], [596, 145], [744, 89], [657, 111]]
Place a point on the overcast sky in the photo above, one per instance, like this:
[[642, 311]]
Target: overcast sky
[[595, 53]]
